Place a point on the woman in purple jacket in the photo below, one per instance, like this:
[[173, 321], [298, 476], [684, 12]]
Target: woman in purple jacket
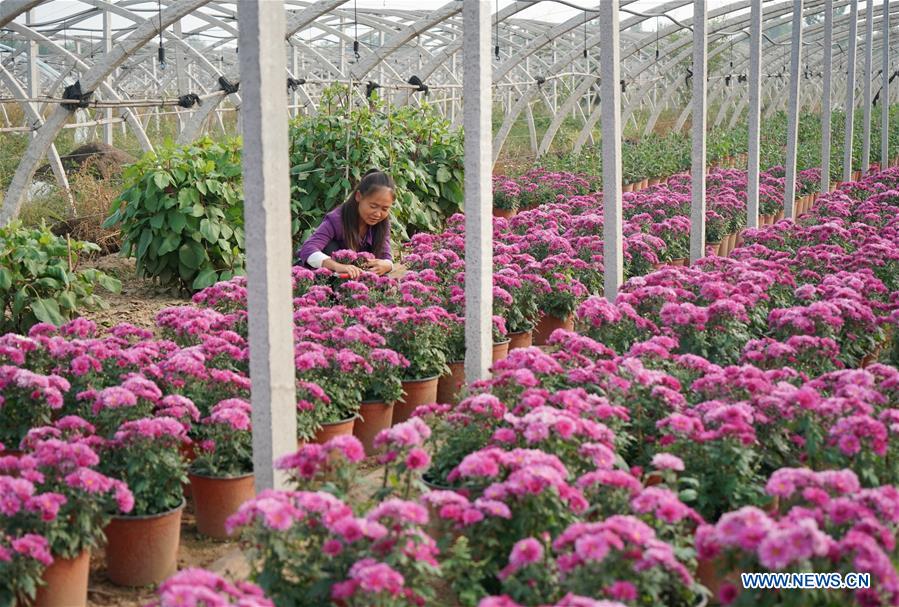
[[361, 223]]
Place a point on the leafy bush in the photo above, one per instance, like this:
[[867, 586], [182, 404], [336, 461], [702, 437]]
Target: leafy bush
[[39, 281], [182, 213], [329, 153]]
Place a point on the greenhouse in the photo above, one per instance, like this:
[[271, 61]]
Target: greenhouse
[[452, 303]]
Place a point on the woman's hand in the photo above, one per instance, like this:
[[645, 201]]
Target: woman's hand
[[352, 272], [379, 266]]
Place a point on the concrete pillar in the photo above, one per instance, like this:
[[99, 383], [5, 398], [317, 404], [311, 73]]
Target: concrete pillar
[[885, 90], [107, 46], [866, 107], [269, 247], [476, 120], [850, 90], [755, 56], [700, 63], [793, 112], [610, 94], [826, 94]]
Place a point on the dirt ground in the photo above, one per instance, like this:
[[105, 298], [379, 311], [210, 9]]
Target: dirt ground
[[139, 301], [195, 551]]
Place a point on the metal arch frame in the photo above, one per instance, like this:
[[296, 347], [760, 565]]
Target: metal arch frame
[[817, 29], [126, 113], [37, 120], [93, 78], [839, 66]]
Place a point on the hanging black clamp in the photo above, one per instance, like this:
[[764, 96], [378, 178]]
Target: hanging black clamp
[[727, 80], [623, 85], [540, 80], [370, 88], [689, 76], [356, 48], [189, 100], [741, 78], [416, 81], [79, 99], [227, 86], [294, 83]]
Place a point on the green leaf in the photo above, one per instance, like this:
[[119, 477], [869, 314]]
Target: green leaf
[[205, 279], [47, 310], [161, 179], [169, 244], [177, 220], [191, 254], [443, 175], [209, 230], [5, 279], [146, 237]]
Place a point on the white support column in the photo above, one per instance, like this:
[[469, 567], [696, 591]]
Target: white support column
[[477, 122], [850, 90], [34, 77], [826, 102], [269, 247], [107, 46], [610, 98], [885, 90], [866, 107], [294, 66], [755, 80], [700, 64], [793, 112]]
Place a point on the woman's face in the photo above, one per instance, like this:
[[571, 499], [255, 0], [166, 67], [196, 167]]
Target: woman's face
[[374, 207]]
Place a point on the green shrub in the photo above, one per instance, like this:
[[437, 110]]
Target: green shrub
[[39, 281], [181, 213], [330, 151]]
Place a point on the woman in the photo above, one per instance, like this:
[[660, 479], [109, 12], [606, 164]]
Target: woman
[[361, 223]]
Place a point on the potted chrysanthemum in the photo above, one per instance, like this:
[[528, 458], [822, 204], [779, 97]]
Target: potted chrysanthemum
[[221, 476]]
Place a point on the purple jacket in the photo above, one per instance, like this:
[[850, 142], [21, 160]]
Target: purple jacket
[[329, 235]]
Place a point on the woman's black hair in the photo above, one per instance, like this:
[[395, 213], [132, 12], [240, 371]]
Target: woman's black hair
[[349, 212]]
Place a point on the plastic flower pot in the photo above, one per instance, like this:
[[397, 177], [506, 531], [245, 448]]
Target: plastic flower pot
[[522, 339], [501, 350], [505, 213], [549, 323], [143, 550], [375, 415], [328, 431], [65, 582], [449, 385], [416, 392], [217, 498]]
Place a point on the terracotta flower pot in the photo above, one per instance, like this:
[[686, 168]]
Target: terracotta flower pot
[[627, 187], [709, 576], [778, 216], [329, 431], [143, 550], [644, 183], [416, 392], [505, 213], [731, 242], [448, 385], [654, 181], [217, 498], [501, 350], [523, 339], [65, 582], [713, 248], [679, 261], [549, 323], [376, 416]]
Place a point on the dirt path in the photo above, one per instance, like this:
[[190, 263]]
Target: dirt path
[[139, 301]]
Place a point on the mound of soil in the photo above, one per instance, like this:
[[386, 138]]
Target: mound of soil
[[103, 161]]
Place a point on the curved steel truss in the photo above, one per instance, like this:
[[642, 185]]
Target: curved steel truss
[[112, 48]]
